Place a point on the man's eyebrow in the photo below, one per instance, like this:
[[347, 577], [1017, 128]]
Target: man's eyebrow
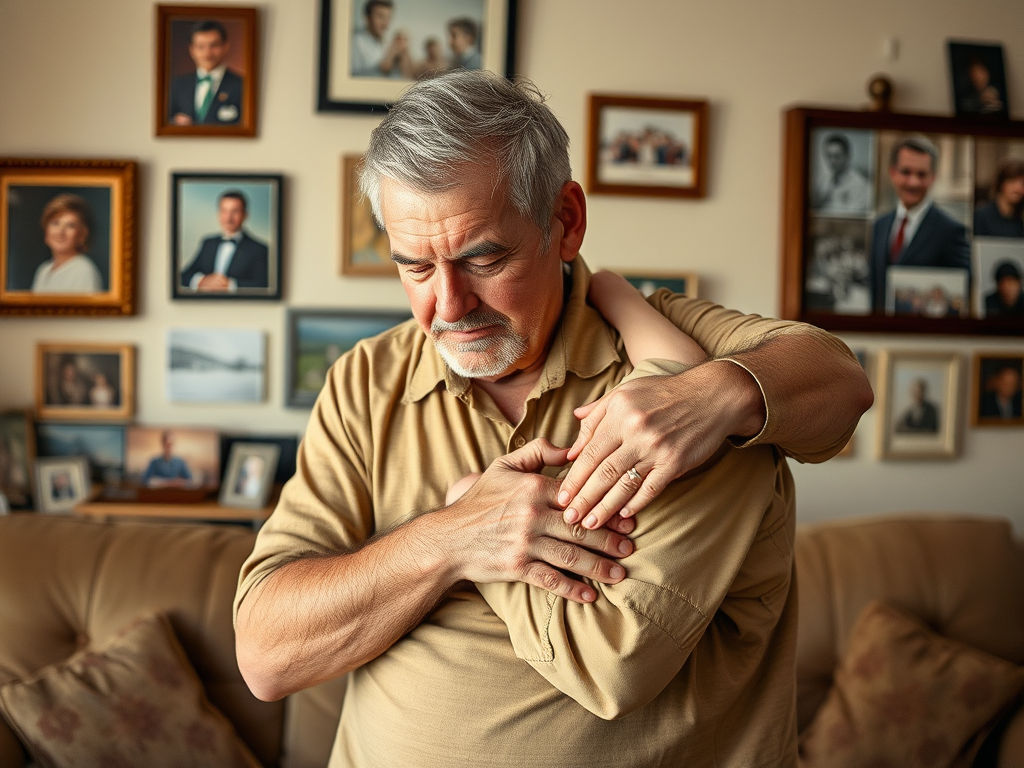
[[486, 248]]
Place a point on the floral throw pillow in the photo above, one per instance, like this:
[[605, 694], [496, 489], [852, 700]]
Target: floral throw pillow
[[905, 696], [133, 701]]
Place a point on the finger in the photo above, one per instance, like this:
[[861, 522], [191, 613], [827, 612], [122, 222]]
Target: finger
[[589, 422], [597, 450], [567, 556], [544, 576], [653, 484], [534, 456], [603, 541], [607, 470], [617, 497], [620, 524]]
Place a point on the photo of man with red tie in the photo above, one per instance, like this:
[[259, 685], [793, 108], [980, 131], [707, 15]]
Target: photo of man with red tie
[[210, 94], [918, 233]]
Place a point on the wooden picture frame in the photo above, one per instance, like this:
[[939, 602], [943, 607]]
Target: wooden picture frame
[[17, 455], [61, 483], [222, 38], [645, 146], [84, 381], [200, 203], [648, 281], [318, 337], [919, 402], [250, 475], [350, 80], [997, 389], [365, 248], [839, 225], [92, 273]]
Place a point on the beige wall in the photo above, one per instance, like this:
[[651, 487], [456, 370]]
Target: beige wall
[[76, 80]]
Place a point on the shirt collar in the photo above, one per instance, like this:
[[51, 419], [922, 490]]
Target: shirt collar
[[583, 345], [237, 237], [913, 214], [216, 74]]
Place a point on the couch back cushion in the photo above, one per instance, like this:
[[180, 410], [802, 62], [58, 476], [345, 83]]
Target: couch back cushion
[[963, 576], [66, 583]]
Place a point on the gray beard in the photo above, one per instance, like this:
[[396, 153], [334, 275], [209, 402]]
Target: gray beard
[[499, 352]]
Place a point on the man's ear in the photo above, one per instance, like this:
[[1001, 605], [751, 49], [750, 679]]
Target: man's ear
[[571, 213]]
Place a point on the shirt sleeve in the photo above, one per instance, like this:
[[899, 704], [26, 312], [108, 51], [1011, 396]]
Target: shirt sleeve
[[618, 653], [788, 389], [326, 507]]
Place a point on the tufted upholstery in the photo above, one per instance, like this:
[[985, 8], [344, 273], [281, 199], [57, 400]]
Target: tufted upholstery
[[64, 582]]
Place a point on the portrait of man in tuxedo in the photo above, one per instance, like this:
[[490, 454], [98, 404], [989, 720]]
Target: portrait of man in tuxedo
[[232, 259], [209, 94], [918, 233]]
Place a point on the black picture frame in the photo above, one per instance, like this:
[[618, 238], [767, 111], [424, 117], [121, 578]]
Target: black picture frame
[[317, 337], [339, 90], [980, 148], [196, 200], [977, 76]]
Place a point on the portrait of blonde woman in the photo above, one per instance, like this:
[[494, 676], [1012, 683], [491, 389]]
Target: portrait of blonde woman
[[67, 222]]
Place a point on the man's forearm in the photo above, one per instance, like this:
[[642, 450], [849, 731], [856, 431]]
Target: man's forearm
[[319, 617], [814, 392]]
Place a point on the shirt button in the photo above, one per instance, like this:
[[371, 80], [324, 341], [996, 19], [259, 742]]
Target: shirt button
[[520, 441]]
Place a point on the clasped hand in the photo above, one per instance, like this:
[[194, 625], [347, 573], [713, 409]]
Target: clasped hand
[[509, 527]]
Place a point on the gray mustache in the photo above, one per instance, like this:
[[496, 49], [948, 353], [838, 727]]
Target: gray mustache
[[471, 322]]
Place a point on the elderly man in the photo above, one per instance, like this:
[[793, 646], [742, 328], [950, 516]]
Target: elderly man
[[918, 233], [500, 630]]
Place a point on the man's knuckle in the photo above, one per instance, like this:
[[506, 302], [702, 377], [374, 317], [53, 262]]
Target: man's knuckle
[[577, 531], [608, 472], [567, 555], [549, 580]]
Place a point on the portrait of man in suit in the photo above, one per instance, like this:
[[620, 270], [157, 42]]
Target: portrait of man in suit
[[923, 414], [231, 259], [1001, 392], [918, 233], [211, 93]]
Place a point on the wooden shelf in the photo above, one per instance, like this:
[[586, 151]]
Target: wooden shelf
[[203, 510]]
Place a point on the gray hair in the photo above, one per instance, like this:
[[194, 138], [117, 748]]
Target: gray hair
[[915, 144], [471, 116]]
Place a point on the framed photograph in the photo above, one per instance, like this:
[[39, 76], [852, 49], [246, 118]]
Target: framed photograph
[[250, 475], [17, 453], [318, 337], [647, 283], [206, 70], [854, 261], [61, 483], [997, 390], [288, 446], [226, 236], [171, 457], [215, 365], [365, 249], [101, 444], [919, 396], [370, 50], [848, 449], [67, 237], [979, 80], [85, 381], [647, 146]]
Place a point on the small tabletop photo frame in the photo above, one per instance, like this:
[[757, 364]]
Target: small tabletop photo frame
[[62, 482], [997, 390], [250, 475]]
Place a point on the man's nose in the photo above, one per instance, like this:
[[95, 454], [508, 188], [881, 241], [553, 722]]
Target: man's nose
[[454, 294]]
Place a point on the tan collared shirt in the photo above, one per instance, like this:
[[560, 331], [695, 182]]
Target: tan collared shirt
[[691, 655]]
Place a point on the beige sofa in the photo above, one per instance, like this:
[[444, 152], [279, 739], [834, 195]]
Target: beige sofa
[[65, 583]]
